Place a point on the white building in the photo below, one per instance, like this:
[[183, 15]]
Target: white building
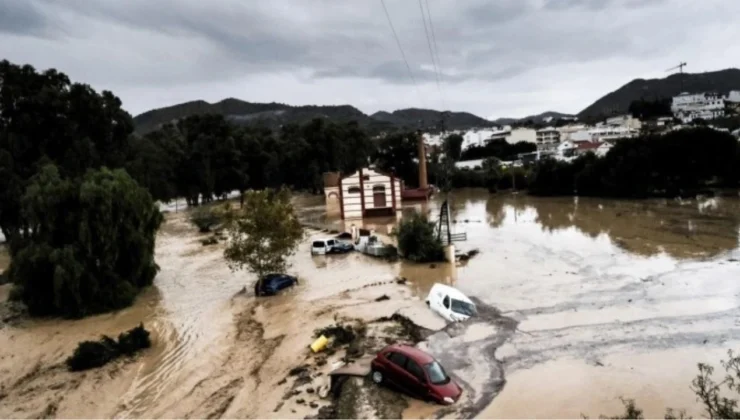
[[547, 139], [567, 131], [368, 193], [522, 134], [688, 107], [626, 121], [604, 133]]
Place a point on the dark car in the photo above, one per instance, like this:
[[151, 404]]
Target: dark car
[[342, 248], [271, 284], [415, 373]]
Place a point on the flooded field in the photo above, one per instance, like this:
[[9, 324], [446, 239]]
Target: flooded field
[[583, 301]]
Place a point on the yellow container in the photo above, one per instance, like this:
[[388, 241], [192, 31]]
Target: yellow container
[[319, 344]]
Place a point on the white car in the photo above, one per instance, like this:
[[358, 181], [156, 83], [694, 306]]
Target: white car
[[450, 303], [329, 246]]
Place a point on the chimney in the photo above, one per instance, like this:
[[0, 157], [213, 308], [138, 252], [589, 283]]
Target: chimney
[[422, 161]]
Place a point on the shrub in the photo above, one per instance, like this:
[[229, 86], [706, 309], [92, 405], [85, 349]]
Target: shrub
[[133, 340], [417, 241], [92, 354], [205, 219]]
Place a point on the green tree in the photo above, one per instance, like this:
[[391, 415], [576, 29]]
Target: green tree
[[44, 118], [89, 246], [492, 171], [153, 161], [453, 146], [264, 233], [397, 153], [417, 241]]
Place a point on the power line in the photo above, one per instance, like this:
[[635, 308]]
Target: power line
[[431, 51], [434, 37], [400, 48]]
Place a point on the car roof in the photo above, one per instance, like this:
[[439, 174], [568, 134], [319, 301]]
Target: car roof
[[414, 353], [322, 239], [275, 275], [450, 291]]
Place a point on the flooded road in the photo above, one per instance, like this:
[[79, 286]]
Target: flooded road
[[583, 301], [613, 298]]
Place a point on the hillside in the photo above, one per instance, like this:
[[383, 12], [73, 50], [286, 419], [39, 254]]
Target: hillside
[[275, 115], [537, 119], [242, 112], [618, 102], [430, 119]]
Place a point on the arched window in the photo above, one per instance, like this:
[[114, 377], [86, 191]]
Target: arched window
[[379, 188], [353, 190]]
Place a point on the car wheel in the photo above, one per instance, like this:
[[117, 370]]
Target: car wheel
[[377, 377]]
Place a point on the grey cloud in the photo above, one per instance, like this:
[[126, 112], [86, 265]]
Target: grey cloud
[[498, 11], [21, 18], [174, 44]]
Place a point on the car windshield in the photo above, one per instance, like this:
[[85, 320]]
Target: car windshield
[[436, 374], [463, 308], [318, 244]]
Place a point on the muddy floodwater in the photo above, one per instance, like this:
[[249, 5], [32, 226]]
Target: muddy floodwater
[[583, 301]]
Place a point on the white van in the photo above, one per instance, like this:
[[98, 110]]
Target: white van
[[450, 303], [323, 246]]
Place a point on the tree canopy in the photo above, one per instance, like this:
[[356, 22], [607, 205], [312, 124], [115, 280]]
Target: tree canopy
[[206, 156], [679, 162], [498, 148], [89, 246], [417, 241], [264, 233], [44, 118]]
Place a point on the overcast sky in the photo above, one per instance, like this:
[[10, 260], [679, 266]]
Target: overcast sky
[[496, 58]]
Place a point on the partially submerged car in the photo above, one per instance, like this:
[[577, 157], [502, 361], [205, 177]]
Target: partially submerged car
[[414, 372], [330, 246], [271, 284], [450, 303]]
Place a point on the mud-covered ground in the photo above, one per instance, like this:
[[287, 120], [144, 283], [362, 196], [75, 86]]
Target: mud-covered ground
[[217, 350], [582, 302]]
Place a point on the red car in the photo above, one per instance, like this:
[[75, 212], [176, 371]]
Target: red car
[[414, 372]]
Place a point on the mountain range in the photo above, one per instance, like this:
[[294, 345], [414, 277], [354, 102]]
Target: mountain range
[[276, 114]]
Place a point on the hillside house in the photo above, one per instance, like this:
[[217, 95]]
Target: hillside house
[[688, 107], [547, 139], [369, 193]]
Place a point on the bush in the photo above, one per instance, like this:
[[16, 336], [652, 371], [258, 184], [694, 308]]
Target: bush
[[205, 219], [133, 340], [92, 354], [417, 241]]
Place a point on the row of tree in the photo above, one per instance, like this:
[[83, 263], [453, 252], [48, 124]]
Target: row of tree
[[81, 230], [681, 162], [500, 149]]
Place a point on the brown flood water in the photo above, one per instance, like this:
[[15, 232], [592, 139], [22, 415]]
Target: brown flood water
[[600, 299]]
